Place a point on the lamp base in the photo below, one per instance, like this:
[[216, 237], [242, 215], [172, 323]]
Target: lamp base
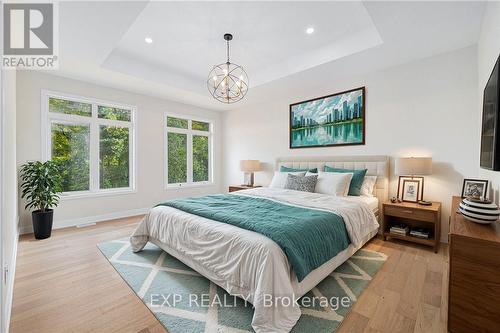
[[248, 179]]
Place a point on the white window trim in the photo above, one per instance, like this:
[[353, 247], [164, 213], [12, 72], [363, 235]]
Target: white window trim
[[94, 122], [190, 133]]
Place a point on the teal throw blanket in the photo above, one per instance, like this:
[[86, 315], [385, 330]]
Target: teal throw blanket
[[308, 237]]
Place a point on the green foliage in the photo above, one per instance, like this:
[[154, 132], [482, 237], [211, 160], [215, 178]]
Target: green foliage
[[70, 149], [40, 184], [71, 146], [177, 151], [200, 126], [177, 158], [70, 107], [114, 155], [177, 122], [200, 158], [106, 112]]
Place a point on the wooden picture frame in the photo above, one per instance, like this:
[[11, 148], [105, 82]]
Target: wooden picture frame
[[421, 186], [297, 125], [467, 191], [406, 195]]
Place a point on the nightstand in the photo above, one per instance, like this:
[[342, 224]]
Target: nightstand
[[234, 188], [413, 215]]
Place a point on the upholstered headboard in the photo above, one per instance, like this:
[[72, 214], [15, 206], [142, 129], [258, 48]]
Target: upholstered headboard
[[376, 165]]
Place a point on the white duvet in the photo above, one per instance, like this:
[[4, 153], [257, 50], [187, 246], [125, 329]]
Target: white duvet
[[246, 263]]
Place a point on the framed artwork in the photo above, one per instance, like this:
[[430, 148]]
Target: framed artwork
[[333, 120], [477, 188], [410, 190], [420, 187]]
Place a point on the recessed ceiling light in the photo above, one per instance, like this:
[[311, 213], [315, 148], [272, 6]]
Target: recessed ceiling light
[[148, 40], [310, 30]]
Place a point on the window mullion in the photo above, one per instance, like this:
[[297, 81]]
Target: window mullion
[[131, 154], [177, 130], [189, 159], [165, 160], [210, 158], [115, 123], [94, 151], [69, 117]]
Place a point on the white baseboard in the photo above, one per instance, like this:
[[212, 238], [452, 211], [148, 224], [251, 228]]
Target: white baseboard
[[58, 224], [10, 280]]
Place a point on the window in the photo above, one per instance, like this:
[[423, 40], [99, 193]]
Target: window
[[189, 151], [93, 142]]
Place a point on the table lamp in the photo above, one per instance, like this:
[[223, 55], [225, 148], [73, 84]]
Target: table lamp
[[249, 167], [414, 166]]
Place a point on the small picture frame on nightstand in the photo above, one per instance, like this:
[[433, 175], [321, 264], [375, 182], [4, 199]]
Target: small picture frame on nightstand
[[420, 187], [410, 190]]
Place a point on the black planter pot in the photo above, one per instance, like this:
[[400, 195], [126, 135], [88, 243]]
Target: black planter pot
[[42, 223]]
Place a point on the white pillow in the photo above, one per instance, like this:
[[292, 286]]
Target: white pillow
[[333, 183], [368, 185], [279, 178]]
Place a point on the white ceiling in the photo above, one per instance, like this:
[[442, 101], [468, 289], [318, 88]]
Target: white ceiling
[[103, 42]]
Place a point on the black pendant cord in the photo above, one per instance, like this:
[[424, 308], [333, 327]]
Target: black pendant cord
[[227, 66]]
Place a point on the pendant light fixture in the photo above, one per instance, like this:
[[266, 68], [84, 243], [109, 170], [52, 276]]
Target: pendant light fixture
[[227, 82]]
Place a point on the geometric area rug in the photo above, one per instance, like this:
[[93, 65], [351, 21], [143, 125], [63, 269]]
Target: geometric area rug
[[184, 301]]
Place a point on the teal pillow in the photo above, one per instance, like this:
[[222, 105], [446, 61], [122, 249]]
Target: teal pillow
[[357, 179], [285, 169]]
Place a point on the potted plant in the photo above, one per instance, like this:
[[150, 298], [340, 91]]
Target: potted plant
[[40, 184]]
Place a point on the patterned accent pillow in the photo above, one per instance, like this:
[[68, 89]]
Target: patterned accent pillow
[[279, 178], [301, 183]]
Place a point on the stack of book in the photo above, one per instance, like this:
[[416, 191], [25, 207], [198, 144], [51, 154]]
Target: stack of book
[[420, 232], [399, 229]]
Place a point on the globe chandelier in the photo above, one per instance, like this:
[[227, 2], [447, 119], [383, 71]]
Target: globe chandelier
[[227, 82]]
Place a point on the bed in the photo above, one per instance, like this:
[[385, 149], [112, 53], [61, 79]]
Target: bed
[[252, 266]]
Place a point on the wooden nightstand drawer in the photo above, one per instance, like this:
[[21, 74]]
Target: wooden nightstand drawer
[[410, 213]]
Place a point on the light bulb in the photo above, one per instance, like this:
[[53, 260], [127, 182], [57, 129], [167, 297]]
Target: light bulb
[[214, 78]]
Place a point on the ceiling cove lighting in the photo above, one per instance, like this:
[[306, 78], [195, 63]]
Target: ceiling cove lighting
[[309, 30], [227, 82], [148, 40]]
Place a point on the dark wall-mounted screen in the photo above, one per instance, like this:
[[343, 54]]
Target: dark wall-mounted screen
[[490, 143]]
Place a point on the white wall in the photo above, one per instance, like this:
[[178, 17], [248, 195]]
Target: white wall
[[423, 108], [488, 51], [9, 210], [150, 148]]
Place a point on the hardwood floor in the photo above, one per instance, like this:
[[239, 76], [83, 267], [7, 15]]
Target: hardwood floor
[[64, 284]]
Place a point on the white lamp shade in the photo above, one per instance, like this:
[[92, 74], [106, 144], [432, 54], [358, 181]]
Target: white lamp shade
[[413, 166], [250, 165]]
